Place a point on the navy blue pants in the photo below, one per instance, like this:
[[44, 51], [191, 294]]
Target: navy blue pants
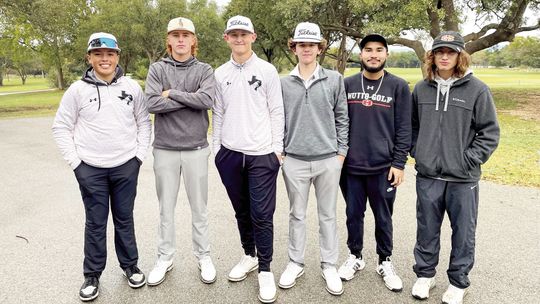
[[250, 182], [460, 201], [357, 190], [98, 186]]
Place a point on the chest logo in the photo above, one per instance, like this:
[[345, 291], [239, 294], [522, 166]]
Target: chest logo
[[93, 99], [255, 83], [126, 97]]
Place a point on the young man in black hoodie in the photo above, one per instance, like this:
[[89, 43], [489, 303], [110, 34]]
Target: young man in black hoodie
[[455, 130], [180, 91], [379, 140]]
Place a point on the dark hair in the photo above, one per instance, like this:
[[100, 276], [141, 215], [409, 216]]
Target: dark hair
[[463, 63]]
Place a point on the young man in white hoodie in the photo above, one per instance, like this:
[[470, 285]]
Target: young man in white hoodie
[[180, 91], [248, 125], [103, 130], [316, 143]]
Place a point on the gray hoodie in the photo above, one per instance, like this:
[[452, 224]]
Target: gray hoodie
[[316, 118], [451, 141], [181, 120]]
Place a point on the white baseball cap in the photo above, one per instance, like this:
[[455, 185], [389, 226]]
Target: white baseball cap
[[102, 41], [181, 24], [307, 32], [239, 23]]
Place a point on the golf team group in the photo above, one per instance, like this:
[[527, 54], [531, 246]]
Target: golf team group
[[349, 135]]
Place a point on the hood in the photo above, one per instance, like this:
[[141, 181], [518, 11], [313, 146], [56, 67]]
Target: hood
[[169, 60], [443, 87], [89, 76]]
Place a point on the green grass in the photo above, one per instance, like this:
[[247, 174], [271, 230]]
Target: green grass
[[494, 78], [517, 159], [14, 84], [30, 104]]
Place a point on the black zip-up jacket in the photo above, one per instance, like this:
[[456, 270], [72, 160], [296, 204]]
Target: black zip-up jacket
[[450, 141], [380, 124]]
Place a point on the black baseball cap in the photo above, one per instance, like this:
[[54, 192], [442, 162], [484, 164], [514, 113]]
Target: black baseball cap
[[373, 38], [449, 39]]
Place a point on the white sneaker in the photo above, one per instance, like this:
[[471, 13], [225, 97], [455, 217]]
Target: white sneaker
[[157, 275], [388, 273], [289, 276], [421, 288], [454, 295], [267, 287], [246, 265], [350, 267], [333, 282], [208, 271]]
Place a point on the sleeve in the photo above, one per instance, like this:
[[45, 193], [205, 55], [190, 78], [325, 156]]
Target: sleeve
[[415, 121], [153, 89], [64, 126], [217, 119], [203, 98], [402, 123], [144, 125], [277, 114], [341, 116], [487, 131]]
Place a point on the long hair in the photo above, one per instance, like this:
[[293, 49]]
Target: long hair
[[194, 47], [463, 63]]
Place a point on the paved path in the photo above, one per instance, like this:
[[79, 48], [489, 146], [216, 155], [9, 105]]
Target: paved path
[[26, 92], [40, 201]]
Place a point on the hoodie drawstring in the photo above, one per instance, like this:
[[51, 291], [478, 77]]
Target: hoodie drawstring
[[446, 100], [438, 93]]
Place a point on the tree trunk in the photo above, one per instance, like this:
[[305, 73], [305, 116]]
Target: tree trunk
[[342, 55]]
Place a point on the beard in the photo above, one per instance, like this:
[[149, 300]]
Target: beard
[[369, 69]]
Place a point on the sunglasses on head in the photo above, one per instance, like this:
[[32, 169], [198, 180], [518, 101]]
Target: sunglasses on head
[[103, 42]]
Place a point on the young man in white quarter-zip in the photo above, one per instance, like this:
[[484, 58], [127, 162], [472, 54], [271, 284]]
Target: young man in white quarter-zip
[[315, 146], [103, 130], [247, 139], [379, 139], [455, 131], [180, 91]]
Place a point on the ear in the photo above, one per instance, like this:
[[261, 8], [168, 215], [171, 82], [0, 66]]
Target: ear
[[225, 37], [254, 37], [88, 58]]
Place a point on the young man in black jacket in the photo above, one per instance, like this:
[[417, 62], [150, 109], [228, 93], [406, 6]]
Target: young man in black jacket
[[455, 130], [379, 140]]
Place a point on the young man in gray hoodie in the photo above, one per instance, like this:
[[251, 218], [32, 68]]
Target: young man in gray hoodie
[[455, 130], [316, 143], [180, 91]]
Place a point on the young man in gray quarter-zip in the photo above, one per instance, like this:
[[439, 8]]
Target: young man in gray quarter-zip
[[316, 138], [180, 91]]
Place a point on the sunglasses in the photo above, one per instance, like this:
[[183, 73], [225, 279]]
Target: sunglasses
[[103, 42]]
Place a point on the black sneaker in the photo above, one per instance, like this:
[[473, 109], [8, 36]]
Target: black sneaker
[[134, 276], [89, 289]]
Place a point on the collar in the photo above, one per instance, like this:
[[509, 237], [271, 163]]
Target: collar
[[314, 76], [252, 58]]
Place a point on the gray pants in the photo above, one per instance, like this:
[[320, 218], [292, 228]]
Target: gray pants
[[324, 174], [168, 167], [460, 201]]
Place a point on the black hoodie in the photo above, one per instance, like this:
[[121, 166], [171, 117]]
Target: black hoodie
[[452, 139]]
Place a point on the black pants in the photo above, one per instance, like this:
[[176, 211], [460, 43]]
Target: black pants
[[98, 186], [251, 185], [460, 201], [357, 189]]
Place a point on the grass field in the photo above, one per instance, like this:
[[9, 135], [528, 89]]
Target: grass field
[[14, 84], [516, 93]]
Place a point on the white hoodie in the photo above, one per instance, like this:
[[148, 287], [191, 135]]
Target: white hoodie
[[104, 125]]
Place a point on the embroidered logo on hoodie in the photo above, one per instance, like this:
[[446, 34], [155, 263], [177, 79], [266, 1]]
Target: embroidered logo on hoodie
[[255, 83], [127, 97]]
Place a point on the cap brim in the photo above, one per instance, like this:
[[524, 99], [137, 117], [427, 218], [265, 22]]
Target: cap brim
[[181, 29], [450, 46], [238, 28], [306, 40], [103, 48]]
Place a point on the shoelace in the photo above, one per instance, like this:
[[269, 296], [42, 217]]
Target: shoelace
[[388, 269]]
